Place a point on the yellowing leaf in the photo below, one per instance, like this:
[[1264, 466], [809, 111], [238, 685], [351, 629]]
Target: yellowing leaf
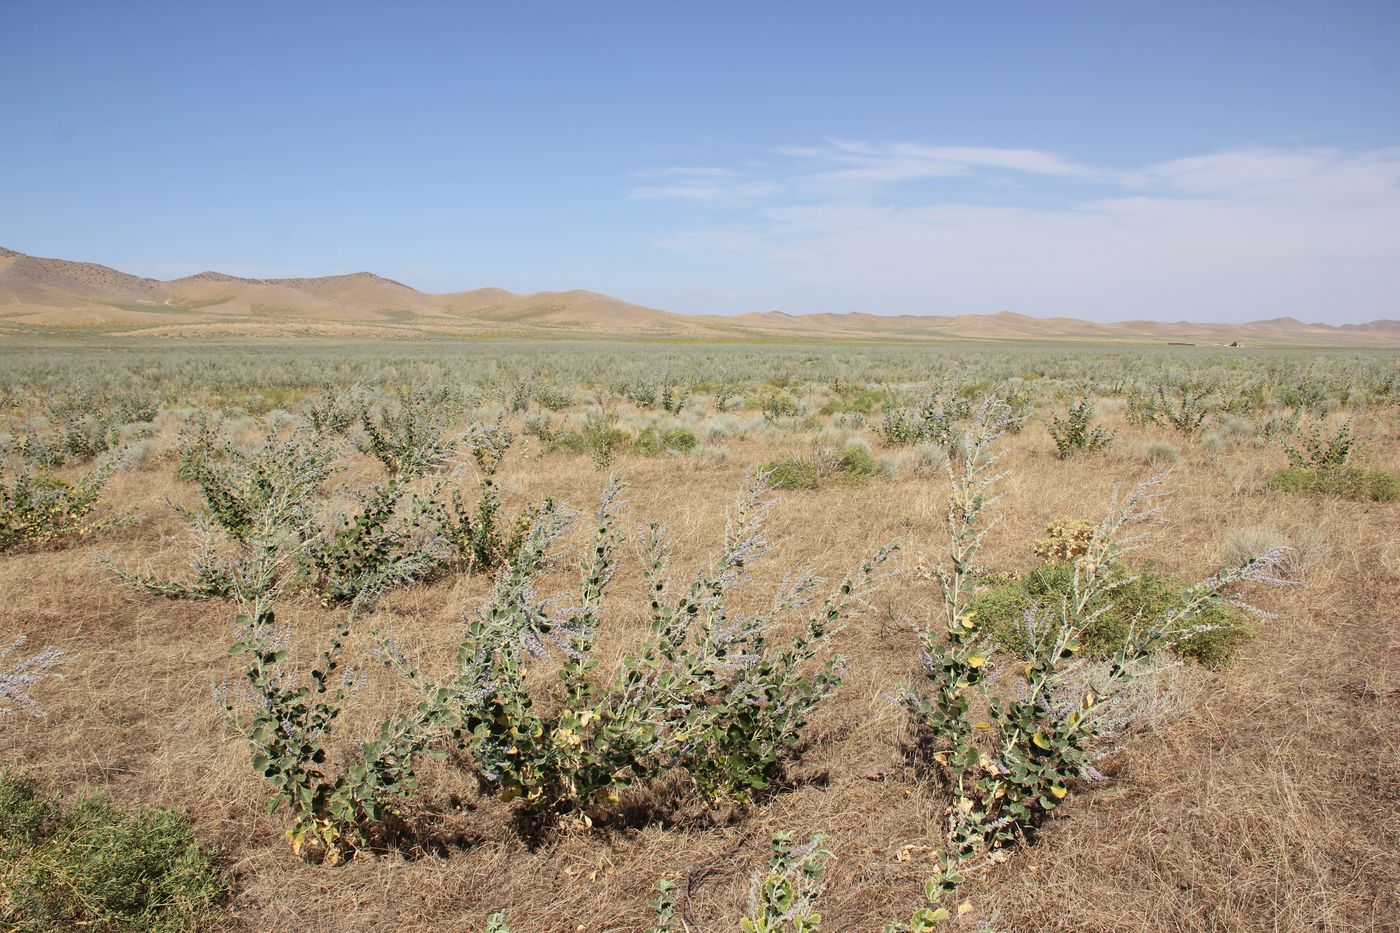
[[1058, 791], [1041, 741], [976, 660]]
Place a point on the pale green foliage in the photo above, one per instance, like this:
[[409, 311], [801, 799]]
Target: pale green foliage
[[335, 810], [1010, 761], [1317, 451], [784, 899], [706, 692], [42, 510], [1074, 433]]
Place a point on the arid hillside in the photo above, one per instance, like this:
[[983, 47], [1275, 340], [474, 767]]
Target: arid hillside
[[56, 294]]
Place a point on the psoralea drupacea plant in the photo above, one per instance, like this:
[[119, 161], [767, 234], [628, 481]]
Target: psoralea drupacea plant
[[259, 518], [783, 899], [1012, 766], [1074, 432], [409, 440], [40, 510], [481, 538], [393, 539], [335, 809], [1318, 452], [706, 692]]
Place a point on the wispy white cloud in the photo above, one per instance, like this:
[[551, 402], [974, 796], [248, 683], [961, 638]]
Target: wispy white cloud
[[1233, 235], [701, 190], [855, 161], [684, 171]]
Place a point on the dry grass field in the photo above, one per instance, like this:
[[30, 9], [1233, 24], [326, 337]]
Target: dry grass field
[[1263, 795]]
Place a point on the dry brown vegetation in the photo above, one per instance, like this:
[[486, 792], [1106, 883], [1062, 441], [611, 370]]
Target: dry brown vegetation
[[1266, 797]]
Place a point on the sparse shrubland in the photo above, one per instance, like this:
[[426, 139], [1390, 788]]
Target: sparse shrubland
[[441, 671]]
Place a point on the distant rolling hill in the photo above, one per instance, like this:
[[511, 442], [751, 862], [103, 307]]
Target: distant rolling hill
[[38, 295]]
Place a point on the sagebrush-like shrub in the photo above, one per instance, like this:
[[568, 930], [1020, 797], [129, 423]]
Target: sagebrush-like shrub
[[1159, 455]]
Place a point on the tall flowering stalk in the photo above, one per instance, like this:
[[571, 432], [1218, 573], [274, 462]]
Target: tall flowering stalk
[[1010, 757]]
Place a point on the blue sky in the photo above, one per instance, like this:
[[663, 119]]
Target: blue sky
[[1204, 161]]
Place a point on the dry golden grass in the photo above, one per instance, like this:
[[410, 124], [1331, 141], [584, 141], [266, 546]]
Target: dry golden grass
[[1272, 803]]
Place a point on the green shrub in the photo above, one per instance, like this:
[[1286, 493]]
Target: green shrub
[[553, 398], [1347, 482], [409, 441], [1073, 434], [653, 441], [482, 539], [571, 442], [1127, 602], [1010, 756], [97, 866], [857, 463], [394, 539], [792, 473], [336, 808], [854, 397], [602, 438], [706, 693], [39, 510], [1317, 452]]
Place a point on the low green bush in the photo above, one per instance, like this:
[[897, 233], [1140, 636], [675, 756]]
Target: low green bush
[[40, 510], [1131, 600], [853, 464], [96, 866], [654, 442], [1348, 482], [857, 463], [792, 473]]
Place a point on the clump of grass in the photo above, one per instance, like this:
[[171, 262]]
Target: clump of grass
[[654, 441], [1347, 482], [853, 463], [1128, 600], [923, 460], [1310, 548], [709, 455], [792, 473], [1159, 455], [1244, 544], [98, 866]]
